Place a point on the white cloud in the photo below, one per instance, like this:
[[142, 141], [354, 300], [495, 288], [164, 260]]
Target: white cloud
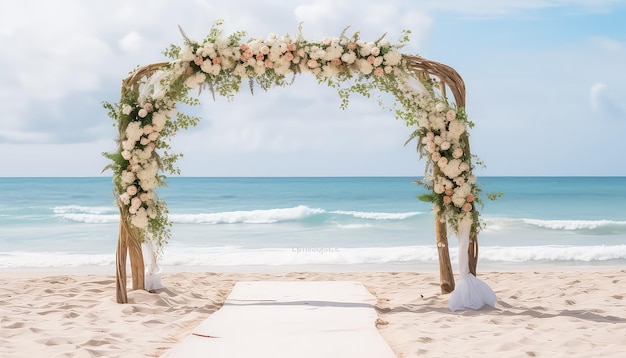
[[510, 7], [130, 42], [594, 94]]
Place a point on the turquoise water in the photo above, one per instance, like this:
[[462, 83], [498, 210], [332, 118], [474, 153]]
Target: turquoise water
[[230, 222]]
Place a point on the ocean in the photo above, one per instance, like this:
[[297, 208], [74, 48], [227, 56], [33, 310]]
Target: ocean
[[341, 223]]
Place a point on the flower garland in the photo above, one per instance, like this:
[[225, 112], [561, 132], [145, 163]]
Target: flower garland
[[147, 116]]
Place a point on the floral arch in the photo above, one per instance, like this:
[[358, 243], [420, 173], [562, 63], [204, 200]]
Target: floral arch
[[147, 119]]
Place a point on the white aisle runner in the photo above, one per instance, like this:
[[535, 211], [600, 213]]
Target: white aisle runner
[[302, 319]]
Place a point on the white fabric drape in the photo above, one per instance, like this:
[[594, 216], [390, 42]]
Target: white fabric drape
[[152, 269], [469, 292]]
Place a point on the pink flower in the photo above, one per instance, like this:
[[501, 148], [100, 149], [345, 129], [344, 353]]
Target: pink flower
[[143, 196], [371, 59], [447, 200], [457, 153], [430, 135], [291, 47], [131, 190], [451, 115], [436, 156], [352, 46], [265, 50], [260, 57], [147, 129], [269, 63], [442, 162], [326, 41], [244, 47], [217, 61], [148, 106], [379, 71], [198, 60], [288, 56], [312, 64], [336, 62], [375, 51], [459, 181], [449, 191], [142, 113], [469, 198], [467, 207]]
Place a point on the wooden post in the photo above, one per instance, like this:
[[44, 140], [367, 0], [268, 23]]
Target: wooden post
[[128, 244], [120, 263], [446, 276], [472, 251], [136, 264]]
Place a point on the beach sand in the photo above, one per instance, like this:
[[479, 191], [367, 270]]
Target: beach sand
[[552, 313]]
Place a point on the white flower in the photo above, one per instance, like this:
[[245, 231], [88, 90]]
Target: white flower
[[135, 203], [124, 198], [134, 130], [436, 122], [456, 129], [348, 57], [365, 67], [186, 54], [452, 170], [221, 43], [126, 109], [158, 120], [127, 178], [195, 80], [439, 107], [329, 71], [392, 58], [460, 194], [140, 219], [384, 43], [240, 70], [366, 49], [128, 145]]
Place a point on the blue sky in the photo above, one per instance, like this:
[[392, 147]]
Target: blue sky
[[545, 82]]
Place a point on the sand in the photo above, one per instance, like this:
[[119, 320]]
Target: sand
[[538, 314]]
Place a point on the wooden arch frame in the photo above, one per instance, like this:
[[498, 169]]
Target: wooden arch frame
[[129, 243]]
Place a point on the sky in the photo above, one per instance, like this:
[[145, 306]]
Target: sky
[[545, 86]]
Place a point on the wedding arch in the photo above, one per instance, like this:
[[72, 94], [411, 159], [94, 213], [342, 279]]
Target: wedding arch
[[147, 119]]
